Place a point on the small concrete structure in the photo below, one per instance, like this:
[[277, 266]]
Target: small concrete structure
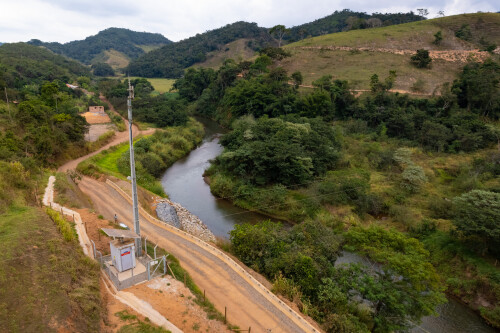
[[97, 109]]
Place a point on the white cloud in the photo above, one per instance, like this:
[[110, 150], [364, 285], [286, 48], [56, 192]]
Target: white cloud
[[66, 20]]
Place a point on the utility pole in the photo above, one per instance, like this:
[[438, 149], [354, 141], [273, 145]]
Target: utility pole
[[7, 99], [137, 228]]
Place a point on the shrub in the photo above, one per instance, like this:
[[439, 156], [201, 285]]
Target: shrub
[[421, 59], [413, 177]]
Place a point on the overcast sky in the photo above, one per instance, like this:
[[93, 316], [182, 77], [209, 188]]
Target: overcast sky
[[66, 20]]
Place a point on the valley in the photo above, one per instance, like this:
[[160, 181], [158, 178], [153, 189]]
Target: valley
[[341, 175]]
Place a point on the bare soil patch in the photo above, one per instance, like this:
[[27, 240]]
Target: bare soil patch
[[96, 117], [176, 303]]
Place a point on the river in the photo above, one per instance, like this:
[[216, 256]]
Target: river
[[184, 183]]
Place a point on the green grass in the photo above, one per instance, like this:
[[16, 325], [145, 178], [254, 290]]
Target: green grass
[[358, 66], [41, 270], [412, 35], [136, 325], [108, 163], [161, 85]]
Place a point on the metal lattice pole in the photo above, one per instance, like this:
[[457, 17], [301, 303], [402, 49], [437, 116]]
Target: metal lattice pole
[[137, 228]]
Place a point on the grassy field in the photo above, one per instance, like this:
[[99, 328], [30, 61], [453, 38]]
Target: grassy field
[[415, 35], [357, 66], [47, 283], [112, 57], [237, 50], [161, 85]]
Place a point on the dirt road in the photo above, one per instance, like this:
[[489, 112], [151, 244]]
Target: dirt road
[[223, 285], [117, 139]]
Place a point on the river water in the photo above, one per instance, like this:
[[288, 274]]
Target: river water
[[184, 183]]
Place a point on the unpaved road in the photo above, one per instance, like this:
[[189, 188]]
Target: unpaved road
[[246, 307], [117, 139], [224, 287]]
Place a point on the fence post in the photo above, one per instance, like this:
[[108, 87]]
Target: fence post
[[249, 329], [94, 249], [148, 269], [225, 315], [204, 298], [165, 265], [146, 245]]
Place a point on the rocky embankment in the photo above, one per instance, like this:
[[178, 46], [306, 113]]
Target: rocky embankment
[[179, 217]]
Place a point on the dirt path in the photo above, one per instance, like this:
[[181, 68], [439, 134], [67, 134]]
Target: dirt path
[[224, 285], [118, 138], [447, 55]]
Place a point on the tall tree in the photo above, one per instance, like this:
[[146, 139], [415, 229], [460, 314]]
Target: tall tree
[[279, 31]]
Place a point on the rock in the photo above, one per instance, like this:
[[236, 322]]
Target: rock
[[168, 214], [186, 221]]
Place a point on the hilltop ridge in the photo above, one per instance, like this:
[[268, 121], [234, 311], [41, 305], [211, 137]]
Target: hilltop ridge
[[108, 43]]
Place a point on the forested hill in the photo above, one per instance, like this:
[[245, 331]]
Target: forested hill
[[348, 20], [130, 43], [22, 64], [171, 60]]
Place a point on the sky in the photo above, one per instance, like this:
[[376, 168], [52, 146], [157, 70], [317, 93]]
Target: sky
[[66, 20]]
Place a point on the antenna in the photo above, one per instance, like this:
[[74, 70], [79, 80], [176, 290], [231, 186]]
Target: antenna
[[137, 228]]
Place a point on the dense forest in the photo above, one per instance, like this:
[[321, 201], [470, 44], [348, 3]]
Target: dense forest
[[348, 20], [371, 165], [122, 40], [171, 60]]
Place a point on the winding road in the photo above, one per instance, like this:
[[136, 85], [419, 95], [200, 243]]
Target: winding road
[[248, 303]]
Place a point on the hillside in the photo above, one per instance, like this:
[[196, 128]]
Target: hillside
[[244, 48], [171, 60], [348, 20], [115, 46], [23, 64], [358, 54]]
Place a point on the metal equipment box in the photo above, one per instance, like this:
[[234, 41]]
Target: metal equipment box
[[122, 255]]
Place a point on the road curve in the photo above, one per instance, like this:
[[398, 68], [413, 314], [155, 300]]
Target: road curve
[[246, 307], [117, 139]]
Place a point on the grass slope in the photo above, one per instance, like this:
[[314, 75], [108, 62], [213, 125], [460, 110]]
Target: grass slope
[[357, 66], [237, 50], [47, 283]]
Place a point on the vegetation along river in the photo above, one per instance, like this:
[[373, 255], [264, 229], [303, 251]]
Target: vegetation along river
[[184, 183]]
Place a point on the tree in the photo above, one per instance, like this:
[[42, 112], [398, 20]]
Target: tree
[[477, 214], [102, 69], [441, 13], [438, 37], [297, 78], [279, 31], [423, 11], [421, 59], [478, 88]]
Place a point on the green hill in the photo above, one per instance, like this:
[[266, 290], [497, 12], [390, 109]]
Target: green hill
[[356, 55], [171, 60], [22, 64], [126, 43], [348, 20]]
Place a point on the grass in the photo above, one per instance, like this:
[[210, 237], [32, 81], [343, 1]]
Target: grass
[[47, 283], [358, 66], [161, 85], [136, 325], [237, 50], [112, 57]]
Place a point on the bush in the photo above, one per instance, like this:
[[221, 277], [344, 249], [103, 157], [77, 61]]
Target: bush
[[477, 214], [413, 177], [421, 59]]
